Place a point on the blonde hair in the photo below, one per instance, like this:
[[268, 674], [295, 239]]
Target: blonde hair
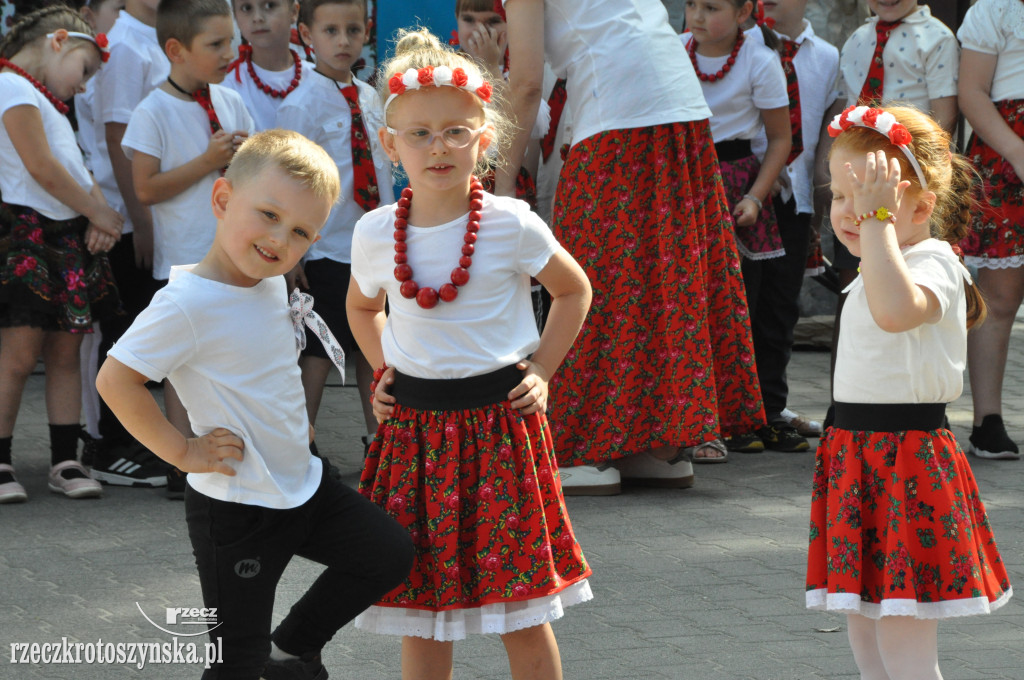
[[38, 24], [303, 160], [950, 176], [420, 48]]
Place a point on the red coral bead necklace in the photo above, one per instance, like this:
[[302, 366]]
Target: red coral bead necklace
[[428, 298], [273, 92], [691, 49], [57, 104]]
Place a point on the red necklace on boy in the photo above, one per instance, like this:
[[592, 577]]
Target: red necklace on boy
[[246, 56], [57, 104], [428, 297], [691, 49]]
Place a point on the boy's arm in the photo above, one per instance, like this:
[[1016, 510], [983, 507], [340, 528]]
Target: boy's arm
[[153, 186], [945, 112], [141, 218], [124, 390]]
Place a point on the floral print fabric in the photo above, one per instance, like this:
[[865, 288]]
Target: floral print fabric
[[47, 277], [898, 528], [760, 240], [665, 356], [478, 491]]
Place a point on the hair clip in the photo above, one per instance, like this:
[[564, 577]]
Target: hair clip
[[100, 41], [882, 122]]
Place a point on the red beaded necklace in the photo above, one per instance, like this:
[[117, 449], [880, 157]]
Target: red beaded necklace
[[428, 297], [691, 49], [275, 93], [57, 104]]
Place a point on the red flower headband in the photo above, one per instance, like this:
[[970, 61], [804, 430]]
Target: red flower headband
[[437, 76], [100, 41], [883, 123]]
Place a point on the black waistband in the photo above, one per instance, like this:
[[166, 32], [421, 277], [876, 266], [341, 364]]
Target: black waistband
[[733, 150], [890, 417], [455, 394]]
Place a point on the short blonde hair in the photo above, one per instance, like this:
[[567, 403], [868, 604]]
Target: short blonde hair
[[302, 159]]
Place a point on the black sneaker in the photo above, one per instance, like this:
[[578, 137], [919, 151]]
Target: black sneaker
[[90, 447], [745, 443], [989, 440], [782, 437], [127, 465], [308, 667], [175, 480]]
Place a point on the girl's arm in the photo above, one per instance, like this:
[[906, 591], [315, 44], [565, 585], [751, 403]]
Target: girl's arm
[[153, 186], [24, 126], [366, 318], [570, 293], [975, 86], [945, 112], [780, 140], [525, 80]]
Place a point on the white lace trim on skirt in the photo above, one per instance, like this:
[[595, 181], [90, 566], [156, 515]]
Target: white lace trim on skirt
[[1012, 262], [456, 624], [851, 603]]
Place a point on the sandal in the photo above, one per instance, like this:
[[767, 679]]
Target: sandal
[[715, 445]]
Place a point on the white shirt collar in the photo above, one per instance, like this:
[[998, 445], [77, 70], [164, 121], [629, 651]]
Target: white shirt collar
[[919, 16]]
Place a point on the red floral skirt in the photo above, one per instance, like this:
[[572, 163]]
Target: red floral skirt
[[665, 356], [48, 279], [478, 491], [760, 240], [996, 240], [898, 528]]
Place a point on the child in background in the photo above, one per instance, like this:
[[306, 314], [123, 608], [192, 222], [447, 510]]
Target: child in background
[[179, 140], [54, 228], [745, 88], [899, 536], [463, 457], [342, 114], [267, 69], [136, 66], [992, 99], [811, 66], [221, 331]]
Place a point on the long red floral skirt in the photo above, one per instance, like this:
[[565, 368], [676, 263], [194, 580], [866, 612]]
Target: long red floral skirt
[[996, 240], [898, 528], [665, 356], [478, 491]]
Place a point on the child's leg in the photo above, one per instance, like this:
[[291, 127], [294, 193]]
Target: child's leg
[[63, 377], [988, 343], [533, 653], [863, 636], [20, 347], [424, 659], [314, 376], [909, 647]]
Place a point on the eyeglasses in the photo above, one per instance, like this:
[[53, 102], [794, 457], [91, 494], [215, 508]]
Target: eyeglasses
[[454, 137]]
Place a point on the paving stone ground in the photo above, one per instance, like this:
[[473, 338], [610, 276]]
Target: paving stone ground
[[700, 584]]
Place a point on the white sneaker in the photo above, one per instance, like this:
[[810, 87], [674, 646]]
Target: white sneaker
[[644, 469], [588, 480], [805, 427]]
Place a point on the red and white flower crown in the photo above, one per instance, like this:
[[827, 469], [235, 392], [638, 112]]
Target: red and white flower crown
[[100, 41], [882, 122], [437, 76]]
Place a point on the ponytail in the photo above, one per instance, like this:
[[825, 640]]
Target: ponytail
[[770, 38]]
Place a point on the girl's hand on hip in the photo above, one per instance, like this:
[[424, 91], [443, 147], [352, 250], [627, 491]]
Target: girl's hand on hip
[[210, 452], [531, 395], [383, 402], [880, 187]]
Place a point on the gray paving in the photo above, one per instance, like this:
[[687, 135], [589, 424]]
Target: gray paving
[[705, 583]]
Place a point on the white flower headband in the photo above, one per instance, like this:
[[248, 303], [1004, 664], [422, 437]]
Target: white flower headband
[[437, 76], [882, 122], [100, 41]]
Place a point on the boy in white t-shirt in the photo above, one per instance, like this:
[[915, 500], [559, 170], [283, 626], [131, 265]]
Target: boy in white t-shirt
[[181, 137], [221, 331]]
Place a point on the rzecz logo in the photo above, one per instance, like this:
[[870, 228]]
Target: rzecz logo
[[186, 616]]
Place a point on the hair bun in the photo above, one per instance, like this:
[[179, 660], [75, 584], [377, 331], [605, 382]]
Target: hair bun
[[411, 41]]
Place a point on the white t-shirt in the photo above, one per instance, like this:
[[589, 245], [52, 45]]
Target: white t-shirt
[[16, 185], [491, 324], [997, 27], [262, 107], [817, 73], [923, 365], [136, 67], [755, 81], [321, 113], [922, 59], [230, 353], [176, 131], [624, 65]]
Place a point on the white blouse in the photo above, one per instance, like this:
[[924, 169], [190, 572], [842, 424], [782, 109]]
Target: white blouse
[[997, 27]]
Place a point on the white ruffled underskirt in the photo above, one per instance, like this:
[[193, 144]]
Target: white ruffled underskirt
[[850, 603], [994, 263], [456, 624], [751, 255]]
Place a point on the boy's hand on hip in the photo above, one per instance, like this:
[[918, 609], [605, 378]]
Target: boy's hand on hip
[[531, 395], [210, 452]]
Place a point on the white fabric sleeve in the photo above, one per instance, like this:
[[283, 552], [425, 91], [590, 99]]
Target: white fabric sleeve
[[17, 92], [142, 134], [121, 86], [769, 81], [361, 267], [982, 29], [159, 340], [941, 67], [536, 242], [937, 273]]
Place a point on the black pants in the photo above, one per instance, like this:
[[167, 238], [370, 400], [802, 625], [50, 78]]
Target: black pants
[[242, 550], [136, 287], [773, 287]]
